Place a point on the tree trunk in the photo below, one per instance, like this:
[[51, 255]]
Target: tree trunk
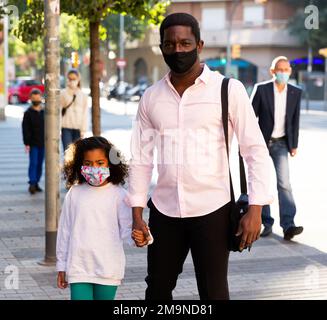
[[95, 77], [52, 127]]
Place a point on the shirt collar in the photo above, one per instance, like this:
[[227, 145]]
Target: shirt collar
[[276, 89], [204, 76]]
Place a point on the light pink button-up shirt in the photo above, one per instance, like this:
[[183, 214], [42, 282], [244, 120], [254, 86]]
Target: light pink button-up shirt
[[187, 133]]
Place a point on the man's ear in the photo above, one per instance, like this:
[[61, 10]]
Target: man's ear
[[272, 72], [200, 46]]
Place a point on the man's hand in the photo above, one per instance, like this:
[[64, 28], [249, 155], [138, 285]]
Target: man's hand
[[250, 226], [27, 149], [140, 225], [61, 280], [293, 152]]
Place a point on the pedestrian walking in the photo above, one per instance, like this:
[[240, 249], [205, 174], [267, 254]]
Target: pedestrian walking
[[181, 116], [74, 110], [277, 106], [33, 137], [94, 222]]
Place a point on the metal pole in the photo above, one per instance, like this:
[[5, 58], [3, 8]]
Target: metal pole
[[309, 68], [229, 34], [52, 130], [325, 95], [4, 99], [121, 46]]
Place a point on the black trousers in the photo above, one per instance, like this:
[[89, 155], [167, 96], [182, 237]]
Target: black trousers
[[205, 236]]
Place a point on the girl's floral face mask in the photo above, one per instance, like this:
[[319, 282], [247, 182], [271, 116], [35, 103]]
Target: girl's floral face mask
[[95, 176]]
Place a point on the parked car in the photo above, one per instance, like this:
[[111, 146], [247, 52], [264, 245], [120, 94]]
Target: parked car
[[19, 90]]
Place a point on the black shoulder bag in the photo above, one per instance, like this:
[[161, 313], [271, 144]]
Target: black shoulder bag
[[240, 207], [64, 110]]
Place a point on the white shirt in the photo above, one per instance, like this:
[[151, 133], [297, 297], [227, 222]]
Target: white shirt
[[192, 161], [93, 224], [280, 112]]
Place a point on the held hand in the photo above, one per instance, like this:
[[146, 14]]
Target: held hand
[[61, 280], [140, 232], [293, 152], [27, 149], [139, 238], [250, 226]]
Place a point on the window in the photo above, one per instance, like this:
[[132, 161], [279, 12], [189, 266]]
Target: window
[[254, 15], [213, 18]]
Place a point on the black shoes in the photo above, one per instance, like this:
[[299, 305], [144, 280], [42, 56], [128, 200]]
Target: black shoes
[[288, 234], [291, 232], [34, 188], [38, 189], [266, 232]]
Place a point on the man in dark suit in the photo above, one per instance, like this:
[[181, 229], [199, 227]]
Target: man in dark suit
[[277, 105]]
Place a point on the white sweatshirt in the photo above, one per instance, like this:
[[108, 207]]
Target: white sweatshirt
[[76, 116], [93, 224]]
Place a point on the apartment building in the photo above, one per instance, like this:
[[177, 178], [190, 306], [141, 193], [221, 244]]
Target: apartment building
[[257, 27]]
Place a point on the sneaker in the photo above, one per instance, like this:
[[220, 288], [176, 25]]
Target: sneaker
[[291, 232], [38, 189], [32, 189]]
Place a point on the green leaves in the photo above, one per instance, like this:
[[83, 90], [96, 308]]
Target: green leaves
[[31, 22]]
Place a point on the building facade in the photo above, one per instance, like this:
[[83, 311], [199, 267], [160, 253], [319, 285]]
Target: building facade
[[257, 27]]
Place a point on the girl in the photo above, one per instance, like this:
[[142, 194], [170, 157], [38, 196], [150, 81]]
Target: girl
[[94, 221], [74, 110]]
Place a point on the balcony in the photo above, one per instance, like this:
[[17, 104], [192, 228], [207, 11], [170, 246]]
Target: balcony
[[266, 33]]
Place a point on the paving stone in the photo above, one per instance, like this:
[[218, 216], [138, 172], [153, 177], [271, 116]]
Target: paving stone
[[274, 269]]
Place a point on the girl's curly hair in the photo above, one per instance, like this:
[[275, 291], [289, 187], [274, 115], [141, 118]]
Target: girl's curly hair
[[74, 157]]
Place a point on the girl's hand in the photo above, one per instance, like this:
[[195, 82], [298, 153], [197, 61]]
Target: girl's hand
[[139, 238], [61, 280], [140, 226]]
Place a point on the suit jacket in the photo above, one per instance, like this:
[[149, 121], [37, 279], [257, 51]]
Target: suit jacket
[[264, 108]]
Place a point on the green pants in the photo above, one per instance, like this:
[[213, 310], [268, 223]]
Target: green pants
[[92, 291]]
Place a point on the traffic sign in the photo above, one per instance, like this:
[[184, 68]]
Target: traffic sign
[[121, 63]]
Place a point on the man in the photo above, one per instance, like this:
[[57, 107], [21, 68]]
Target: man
[[277, 105], [33, 137], [180, 116]]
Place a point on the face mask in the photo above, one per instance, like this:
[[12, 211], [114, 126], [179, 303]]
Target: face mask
[[180, 62], [73, 84], [36, 103], [95, 176], [282, 77]]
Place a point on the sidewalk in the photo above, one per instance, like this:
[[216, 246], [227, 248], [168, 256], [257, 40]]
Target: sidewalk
[[274, 269]]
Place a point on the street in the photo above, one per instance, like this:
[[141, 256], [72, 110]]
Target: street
[[274, 269]]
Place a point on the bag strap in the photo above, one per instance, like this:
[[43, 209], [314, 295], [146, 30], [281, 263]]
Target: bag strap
[[224, 108], [74, 97]]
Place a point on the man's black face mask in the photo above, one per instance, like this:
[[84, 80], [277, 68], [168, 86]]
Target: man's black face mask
[[180, 62]]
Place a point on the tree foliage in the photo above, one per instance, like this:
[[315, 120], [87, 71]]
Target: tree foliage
[[134, 28], [140, 12], [74, 35]]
